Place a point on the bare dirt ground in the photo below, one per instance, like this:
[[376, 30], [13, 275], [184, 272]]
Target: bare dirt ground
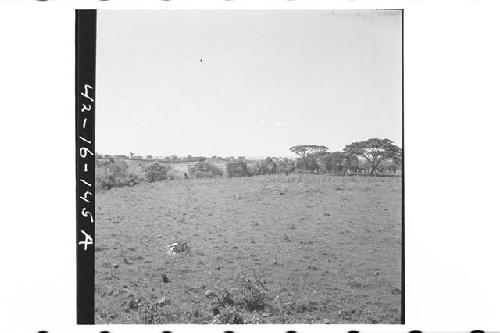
[[265, 249]]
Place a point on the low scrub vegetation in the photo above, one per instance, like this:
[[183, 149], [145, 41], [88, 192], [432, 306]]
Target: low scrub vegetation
[[205, 170], [106, 183], [250, 294], [155, 172], [114, 173], [374, 157], [237, 169]]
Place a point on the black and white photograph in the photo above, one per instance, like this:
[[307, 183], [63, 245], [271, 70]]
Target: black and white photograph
[[249, 167], [231, 166]]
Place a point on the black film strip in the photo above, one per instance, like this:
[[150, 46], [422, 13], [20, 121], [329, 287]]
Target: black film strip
[[85, 162]]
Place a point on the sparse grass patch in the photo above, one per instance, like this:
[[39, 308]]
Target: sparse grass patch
[[302, 281], [250, 295], [229, 315]]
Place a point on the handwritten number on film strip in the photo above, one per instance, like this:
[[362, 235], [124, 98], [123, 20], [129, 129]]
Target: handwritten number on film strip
[[85, 152]]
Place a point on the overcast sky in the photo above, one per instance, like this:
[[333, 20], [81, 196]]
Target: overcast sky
[[251, 83]]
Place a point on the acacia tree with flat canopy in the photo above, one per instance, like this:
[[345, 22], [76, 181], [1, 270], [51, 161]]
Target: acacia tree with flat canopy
[[375, 151], [306, 150], [308, 154]]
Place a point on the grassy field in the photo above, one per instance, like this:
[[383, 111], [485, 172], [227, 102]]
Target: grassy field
[[265, 249]]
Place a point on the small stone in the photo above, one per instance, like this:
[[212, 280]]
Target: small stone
[[265, 314], [326, 321], [116, 265], [160, 236], [210, 293], [162, 301], [277, 263], [165, 278]]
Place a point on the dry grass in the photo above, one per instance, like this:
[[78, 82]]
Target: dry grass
[[266, 249]]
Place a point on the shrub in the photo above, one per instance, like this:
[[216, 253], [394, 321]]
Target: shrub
[[119, 168], [229, 315], [114, 173], [155, 172], [153, 313], [106, 183], [267, 167], [285, 166], [111, 167], [237, 169], [205, 170], [253, 294], [253, 170], [250, 295], [224, 298]]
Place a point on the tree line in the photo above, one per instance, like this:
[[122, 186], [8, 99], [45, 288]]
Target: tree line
[[372, 156]]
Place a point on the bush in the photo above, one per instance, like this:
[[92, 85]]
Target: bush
[[113, 173], [118, 168], [237, 169], [271, 166], [285, 166], [267, 167], [253, 170], [106, 183], [205, 170], [307, 163], [111, 167], [250, 295], [155, 172], [229, 315], [153, 313], [253, 294]]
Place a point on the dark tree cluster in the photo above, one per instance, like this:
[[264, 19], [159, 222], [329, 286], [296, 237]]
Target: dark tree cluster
[[370, 156], [205, 170], [375, 152]]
